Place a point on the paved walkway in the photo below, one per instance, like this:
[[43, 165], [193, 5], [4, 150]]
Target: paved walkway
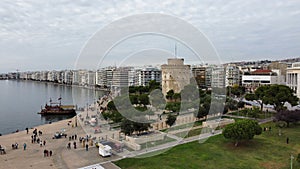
[[240, 117]]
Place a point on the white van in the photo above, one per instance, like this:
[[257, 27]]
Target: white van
[[104, 150]]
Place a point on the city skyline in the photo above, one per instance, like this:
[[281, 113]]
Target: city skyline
[[49, 35]]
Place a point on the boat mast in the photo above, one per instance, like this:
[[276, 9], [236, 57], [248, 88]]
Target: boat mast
[[59, 100]]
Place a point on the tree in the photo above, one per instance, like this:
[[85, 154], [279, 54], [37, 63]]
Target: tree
[[275, 95], [288, 116], [298, 158], [134, 99], [202, 112], [176, 97], [174, 107], [241, 104], [170, 94], [251, 96], [140, 127], [116, 117], [232, 104], [144, 99], [128, 127], [236, 90], [153, 85], [111, 106], [254, 112], [132, 89], [171, 119], [113, 115], [242, 130]]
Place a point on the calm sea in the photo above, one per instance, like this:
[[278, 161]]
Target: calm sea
[[21, 100]]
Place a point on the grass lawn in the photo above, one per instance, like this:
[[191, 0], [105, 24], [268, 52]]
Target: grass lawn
[[268, 151]]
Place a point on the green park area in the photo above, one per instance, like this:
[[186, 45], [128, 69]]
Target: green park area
[[268, 150]]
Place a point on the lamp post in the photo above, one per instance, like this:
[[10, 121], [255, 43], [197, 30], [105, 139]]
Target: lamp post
[[87, 111], [76, 121], [146, 143], [292, 157]]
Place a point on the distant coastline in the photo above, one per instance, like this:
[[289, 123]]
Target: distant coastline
[[62, 84]]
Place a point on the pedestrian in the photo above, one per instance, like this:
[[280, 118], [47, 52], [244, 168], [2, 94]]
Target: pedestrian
[[44, 143], [75, 137], [27, 130], [38, 140], [45, 152], [69, 145], [72, 137], [287, 140], [74, 145], [24, 146], [41, 143], [86, 147], [50, 153], [270, 128]]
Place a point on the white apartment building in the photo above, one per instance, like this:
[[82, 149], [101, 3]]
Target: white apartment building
[[91, 78], [232, 75], [79, 77], [120, 78], [292, 78], [218, 77], [259, 77], [131, 76], [44, 75], [145, 75], [68, 77], [104, 77]]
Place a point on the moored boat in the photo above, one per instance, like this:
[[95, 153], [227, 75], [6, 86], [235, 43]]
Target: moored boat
[[57, 109]]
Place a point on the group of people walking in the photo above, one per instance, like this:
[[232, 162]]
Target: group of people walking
[[47, 153]]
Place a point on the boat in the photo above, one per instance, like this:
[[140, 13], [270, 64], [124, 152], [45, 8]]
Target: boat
[[57, 109]]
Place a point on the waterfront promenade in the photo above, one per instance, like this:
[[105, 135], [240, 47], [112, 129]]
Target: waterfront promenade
[[33, 156]]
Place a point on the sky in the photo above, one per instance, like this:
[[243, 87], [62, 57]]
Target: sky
[[50, 34]]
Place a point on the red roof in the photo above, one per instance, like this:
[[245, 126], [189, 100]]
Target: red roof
[[262, 72]]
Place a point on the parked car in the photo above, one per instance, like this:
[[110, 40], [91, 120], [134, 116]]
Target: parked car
[[58, 135]]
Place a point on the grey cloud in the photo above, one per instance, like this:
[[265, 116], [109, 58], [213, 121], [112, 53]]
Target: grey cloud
[[254, 29]]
